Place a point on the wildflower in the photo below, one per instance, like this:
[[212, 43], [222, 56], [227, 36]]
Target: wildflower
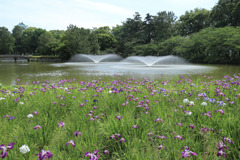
[[71, 142], [207, 114], [77, 133], [158, 119], [35, 112], [160, 147], [30, 116], [24, 149], [220, 153], [204, 129], [221, 146], [21, 103], [191, 126], [188, 113], [179, 137], [37, 126], [61, 124], [185, 101], [92, 156], [149, 133], [113, 137], [1, 98], [106, 152], [91, 119], [204, 103], [191, 103], [118, 117], [162, 137], [44, 155], [220, 110], [180, 124], [227, 139], [186, 152], [135, 126], [150, 138], [16, 99], [10, 117], [5, 149], [122, 140]]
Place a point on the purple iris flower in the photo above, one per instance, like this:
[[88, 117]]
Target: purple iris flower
[[158, 119], [37, 126], [221, 146], [91, 119], [179, 137], [92, 156], [71, 142], [122, 140], [162, 137], [220, 110], [9, 117], [207, 114], [60, 124], [180, 124], [221, 153], [204, 129], [186, 153], [135, 126], [77, 133], [44, 155], [191, 126], [106, 152], [150, 138], [5, 149], [35, 112], [118, 117], [160, 147], [149, 133], [227, 139], [113, 137]]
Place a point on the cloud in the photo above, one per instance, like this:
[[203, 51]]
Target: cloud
[[58, 14]]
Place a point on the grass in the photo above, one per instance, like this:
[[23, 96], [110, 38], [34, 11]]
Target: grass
[[139, 102]]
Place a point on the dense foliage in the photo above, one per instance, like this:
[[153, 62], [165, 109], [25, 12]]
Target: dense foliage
[[200, 35]]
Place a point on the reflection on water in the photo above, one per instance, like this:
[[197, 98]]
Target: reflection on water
[[27, 72]]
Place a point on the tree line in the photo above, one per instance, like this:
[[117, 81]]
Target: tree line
[[200, 35]]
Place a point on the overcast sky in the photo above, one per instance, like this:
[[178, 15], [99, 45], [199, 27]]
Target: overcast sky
[[58, 14]]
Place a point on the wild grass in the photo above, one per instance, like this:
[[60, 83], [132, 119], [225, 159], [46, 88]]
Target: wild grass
[[92, 108]]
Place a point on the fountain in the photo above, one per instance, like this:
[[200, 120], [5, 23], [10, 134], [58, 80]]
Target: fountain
[[95, 58], [152, 60]]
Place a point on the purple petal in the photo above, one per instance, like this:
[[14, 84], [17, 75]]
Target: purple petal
[[10, 145]]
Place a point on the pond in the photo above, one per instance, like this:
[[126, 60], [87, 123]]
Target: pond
[[36, 71]]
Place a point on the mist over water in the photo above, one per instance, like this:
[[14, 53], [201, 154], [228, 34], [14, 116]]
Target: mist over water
[[95, 58], [153, 60]]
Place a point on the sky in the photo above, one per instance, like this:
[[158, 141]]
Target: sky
[[58, 14]]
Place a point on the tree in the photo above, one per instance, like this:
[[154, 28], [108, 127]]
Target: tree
[[164, 22], [193, 21], [17, 34], [149, 28], [76, 41], [45, 43], [226, 13], [106, 40], [30, 39], [93, 42], [6, 41]]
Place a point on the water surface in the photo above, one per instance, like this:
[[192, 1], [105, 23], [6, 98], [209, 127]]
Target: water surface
[[36, 71]]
